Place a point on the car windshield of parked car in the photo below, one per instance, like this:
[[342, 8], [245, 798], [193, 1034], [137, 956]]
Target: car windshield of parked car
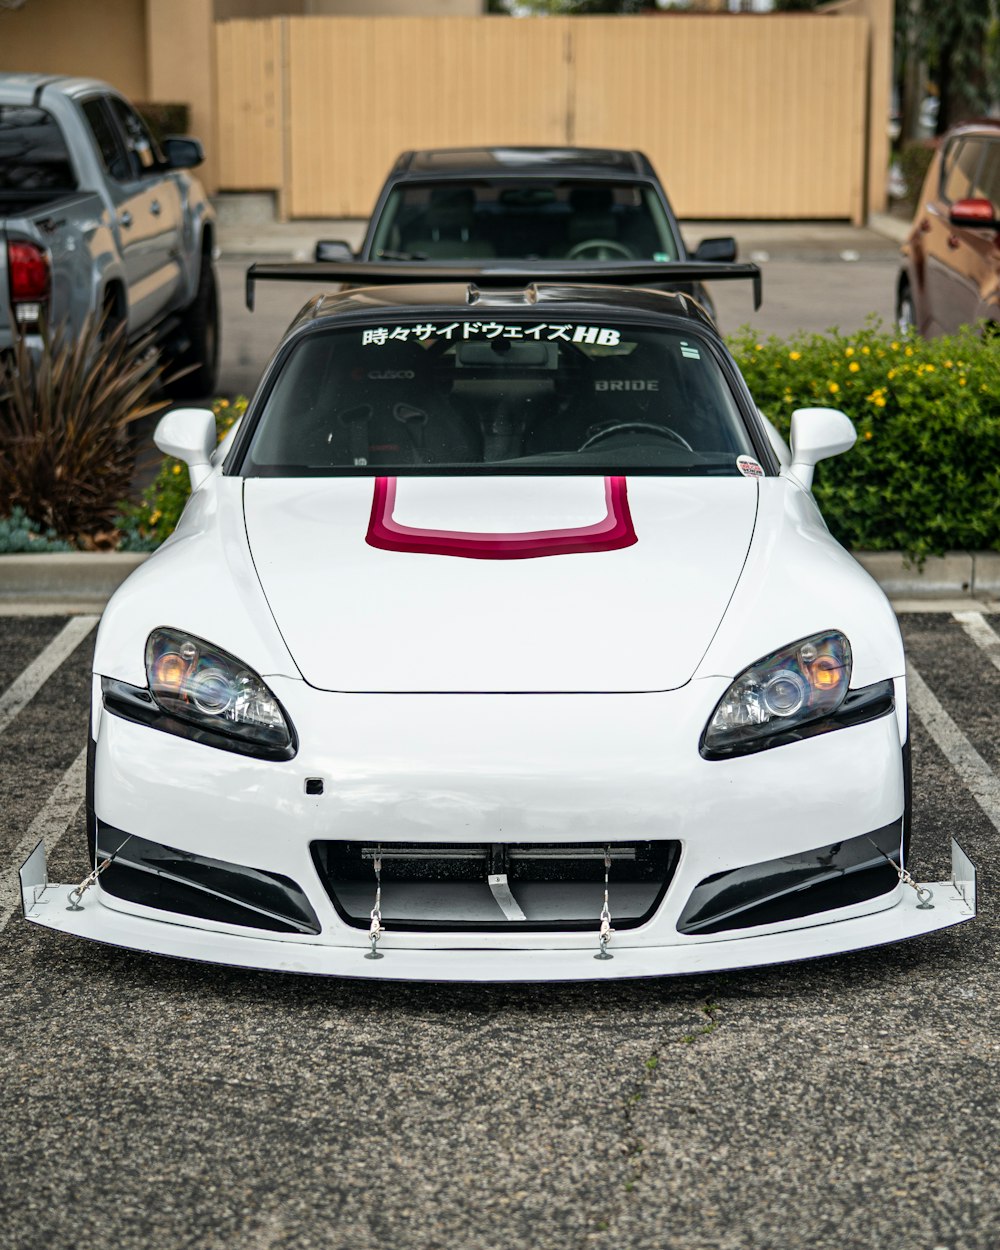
[[568, 392], [529, 218]]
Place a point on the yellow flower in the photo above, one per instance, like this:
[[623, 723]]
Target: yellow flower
[[947, 364], [866, 351], [961, 381], [854, 366], [868, 434], [880, 402], [155, 516], [176, 470], [758, 347], [794, 355], [891, 374], [894, 346], [848, 351], [929, 368], [833, 388], [908, 352]]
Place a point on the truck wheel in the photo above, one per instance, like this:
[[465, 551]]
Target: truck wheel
[[199, 334]]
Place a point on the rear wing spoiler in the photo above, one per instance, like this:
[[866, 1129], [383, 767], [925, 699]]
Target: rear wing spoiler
[[621, 273]]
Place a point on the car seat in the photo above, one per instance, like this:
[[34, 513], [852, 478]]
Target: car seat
[[447, 228]]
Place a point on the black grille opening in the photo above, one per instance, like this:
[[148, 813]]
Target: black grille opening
[[496, 886]]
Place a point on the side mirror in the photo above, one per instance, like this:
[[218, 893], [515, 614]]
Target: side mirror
[[975, 213], [333, 249], [189, 435], [180, 152], [721, 249], [818, 433]]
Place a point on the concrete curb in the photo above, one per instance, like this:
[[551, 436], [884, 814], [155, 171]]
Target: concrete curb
[[76, 578], [67, 577]]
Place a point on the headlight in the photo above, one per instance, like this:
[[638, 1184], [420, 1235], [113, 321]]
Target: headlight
[[801, 683], [208, 687]]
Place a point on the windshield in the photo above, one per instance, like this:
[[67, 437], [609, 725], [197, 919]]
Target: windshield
[[524, 219], [516, 394]]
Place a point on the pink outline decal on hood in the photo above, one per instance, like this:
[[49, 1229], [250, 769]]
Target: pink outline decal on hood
[[612, 533]]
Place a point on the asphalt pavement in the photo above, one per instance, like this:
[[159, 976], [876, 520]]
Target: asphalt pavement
[[844, 1104]]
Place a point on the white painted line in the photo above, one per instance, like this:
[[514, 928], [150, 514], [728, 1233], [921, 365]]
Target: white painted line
[[982, 634], [50, 823], [981, 780], [24, 688]]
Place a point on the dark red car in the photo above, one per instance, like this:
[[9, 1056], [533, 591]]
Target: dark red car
[[951, 272]]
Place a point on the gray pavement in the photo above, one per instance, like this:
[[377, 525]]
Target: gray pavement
[[844, 1104]]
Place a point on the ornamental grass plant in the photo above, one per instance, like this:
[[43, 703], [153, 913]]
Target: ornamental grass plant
[[65, 454], [924, 476]]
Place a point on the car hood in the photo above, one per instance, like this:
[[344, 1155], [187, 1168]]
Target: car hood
[[495, 583]]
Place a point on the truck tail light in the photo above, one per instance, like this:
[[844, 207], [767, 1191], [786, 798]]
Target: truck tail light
[[30, 283]]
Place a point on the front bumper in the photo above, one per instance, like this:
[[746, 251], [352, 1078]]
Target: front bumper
[[47, 904], [529, 771]]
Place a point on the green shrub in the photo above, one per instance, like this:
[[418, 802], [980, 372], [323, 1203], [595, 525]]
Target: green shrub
[[65, 454], [144, 525], [18, 533], [924, 476]]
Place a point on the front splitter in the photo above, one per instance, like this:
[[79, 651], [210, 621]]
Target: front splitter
[[47, 904]]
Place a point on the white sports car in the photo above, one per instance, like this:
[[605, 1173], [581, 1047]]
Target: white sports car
[[502, 640]]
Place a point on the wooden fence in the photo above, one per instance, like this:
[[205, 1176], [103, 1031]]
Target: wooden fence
[[743, 116]]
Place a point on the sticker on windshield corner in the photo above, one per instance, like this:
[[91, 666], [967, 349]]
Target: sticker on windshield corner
[[749, 467]]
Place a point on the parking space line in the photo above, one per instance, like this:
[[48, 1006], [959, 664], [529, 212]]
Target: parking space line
[[50, 823], [24, 687], [982, 634], [980, 779]]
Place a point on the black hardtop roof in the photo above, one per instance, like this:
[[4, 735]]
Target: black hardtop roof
[[521, 162], [466, 299]]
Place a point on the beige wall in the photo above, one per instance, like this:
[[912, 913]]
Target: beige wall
[[180, 44], [685, 89], [742, 116], [251, 108], [88, 38], [355, 100], [880, 15]]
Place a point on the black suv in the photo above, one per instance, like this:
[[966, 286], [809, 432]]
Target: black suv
[[527, 203]]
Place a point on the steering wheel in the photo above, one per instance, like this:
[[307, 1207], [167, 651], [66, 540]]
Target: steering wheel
[[662, 431], [600, 249]]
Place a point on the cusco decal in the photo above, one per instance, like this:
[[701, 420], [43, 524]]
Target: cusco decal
[[610, 534]]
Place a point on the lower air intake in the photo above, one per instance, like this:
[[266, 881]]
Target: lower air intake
[[497, 886]]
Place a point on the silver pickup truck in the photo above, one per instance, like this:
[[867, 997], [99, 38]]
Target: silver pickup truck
[[96, 217]]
